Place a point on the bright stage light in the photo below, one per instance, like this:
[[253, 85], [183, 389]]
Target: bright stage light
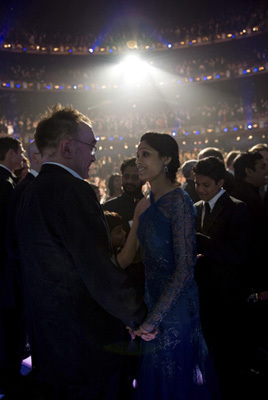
[[133, 69]]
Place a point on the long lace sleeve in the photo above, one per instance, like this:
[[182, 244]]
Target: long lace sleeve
[[179, 212]]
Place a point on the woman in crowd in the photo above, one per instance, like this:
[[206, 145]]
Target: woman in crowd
[[114, 185], [174, 358]]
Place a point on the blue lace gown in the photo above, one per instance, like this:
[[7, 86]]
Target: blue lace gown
[[175, 365]]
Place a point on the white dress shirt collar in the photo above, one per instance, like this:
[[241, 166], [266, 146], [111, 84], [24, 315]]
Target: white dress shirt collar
[[33, 172], [3, 166], [213, 201], [74, 173]]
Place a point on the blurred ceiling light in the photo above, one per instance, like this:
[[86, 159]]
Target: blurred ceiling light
[[132, 44]]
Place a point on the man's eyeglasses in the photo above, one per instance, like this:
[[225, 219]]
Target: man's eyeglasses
[[93, 148]]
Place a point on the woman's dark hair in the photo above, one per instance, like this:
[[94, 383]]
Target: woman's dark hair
[[212, 167], [111, 182], [166, 146]]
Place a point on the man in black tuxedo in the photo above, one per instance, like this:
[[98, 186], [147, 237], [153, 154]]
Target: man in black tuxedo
[[16, 339], [251, 174], [228, 183], [222, 227], [76, 294], [11, 157]]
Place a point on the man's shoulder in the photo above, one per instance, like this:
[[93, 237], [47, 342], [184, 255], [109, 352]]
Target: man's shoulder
[[22, 186], [5, 174], [7, 184], [198, 204]]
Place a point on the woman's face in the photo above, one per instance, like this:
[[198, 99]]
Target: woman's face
[[117, 182], [150, 164]]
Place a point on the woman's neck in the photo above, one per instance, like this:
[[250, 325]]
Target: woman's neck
[[160, 188]]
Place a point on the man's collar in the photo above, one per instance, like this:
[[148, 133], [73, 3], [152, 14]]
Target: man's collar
[[33, 172], [3, 166], [74, 173], [11, 173], [214, 200]]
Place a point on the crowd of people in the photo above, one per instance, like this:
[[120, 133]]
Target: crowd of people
[[133, 229], [219, 115], [228, 62], [172, 30], [159, 291]]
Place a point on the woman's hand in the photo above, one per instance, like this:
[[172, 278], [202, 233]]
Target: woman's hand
[[145, 335]]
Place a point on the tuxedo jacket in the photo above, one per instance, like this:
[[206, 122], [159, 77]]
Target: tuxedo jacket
[[76, 296], [220, 271], [7, 184], [13, 268], [250, 195]]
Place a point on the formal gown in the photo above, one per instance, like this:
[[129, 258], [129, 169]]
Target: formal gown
[[176, 364]]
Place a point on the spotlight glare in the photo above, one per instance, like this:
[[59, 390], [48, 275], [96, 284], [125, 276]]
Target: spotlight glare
[[133, 69]]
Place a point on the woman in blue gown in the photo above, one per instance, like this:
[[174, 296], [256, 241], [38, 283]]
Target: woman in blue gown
[[174, 360]]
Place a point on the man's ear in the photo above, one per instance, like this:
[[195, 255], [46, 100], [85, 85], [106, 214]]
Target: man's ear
[[249, 171], [221, 183], [9, 154], [65, 148]]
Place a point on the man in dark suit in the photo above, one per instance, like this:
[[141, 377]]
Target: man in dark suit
[[76, 294], [228, 183], [16, 339], [251, 173], [11, 153], [222, 232], [125, 204]]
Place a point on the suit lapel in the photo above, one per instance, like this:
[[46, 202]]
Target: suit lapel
[[199, 207]]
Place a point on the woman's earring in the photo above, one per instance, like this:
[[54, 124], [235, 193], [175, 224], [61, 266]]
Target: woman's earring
[[165, 168]]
